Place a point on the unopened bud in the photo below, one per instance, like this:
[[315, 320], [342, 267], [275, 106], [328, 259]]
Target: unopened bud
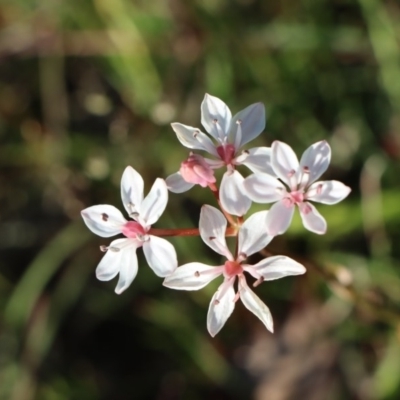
[[196, 170]]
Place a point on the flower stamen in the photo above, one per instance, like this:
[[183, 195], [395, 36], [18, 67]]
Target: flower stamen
[[219, 132], [241, 257], [111, 248], [305, 177], [224, 288], [292, 179], [259, 281], [238, 138], [242, 157]]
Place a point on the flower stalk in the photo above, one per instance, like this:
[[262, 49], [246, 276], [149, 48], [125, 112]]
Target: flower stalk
[[230, 231]]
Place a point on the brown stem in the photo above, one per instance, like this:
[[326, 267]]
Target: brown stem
[[215, 192], [231, 231]]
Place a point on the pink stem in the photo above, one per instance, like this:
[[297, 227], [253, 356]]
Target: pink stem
[[185, 232], [215, 191]]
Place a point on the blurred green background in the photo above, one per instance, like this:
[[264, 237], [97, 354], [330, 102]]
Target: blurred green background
[[89, 87]]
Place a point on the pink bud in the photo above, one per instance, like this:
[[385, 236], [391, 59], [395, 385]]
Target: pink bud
[[196, 170]]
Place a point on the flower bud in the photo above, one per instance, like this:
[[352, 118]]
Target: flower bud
[[196, 170]]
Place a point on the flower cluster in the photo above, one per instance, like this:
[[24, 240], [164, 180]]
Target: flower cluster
[[277, 176]]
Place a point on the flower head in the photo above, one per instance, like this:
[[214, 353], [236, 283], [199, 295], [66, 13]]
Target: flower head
[[106, 221], [298, 187], [252, 238], [228, 135]]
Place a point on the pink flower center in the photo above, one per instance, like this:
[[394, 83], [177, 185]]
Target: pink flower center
[[295, 197], [133, 230], [232, 268], [196, 170], [226, 153]]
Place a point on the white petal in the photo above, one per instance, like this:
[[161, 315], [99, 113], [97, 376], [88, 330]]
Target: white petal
[[110, 264], [279, 218], [220, 310], [176, 184], [128, 269], [103, 220], [192, 276], [253, 234], [193, 138], [285, 163], [253, 303], [258, 160], [277, 267], [214, 164], [155, 202], [212, 228], [252, 122], [160, 255], [131, 190], [212, 108], [328, 192], [264, 188], [232, 195], [316, 158], [312, 219]]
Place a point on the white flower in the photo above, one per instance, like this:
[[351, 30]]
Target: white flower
[[300, 179], [106, 221], [229, 135], [252, 238]]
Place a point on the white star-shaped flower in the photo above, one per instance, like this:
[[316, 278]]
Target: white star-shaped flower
[[300, 179], [251, 238], [106, 221], [230, 134]]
